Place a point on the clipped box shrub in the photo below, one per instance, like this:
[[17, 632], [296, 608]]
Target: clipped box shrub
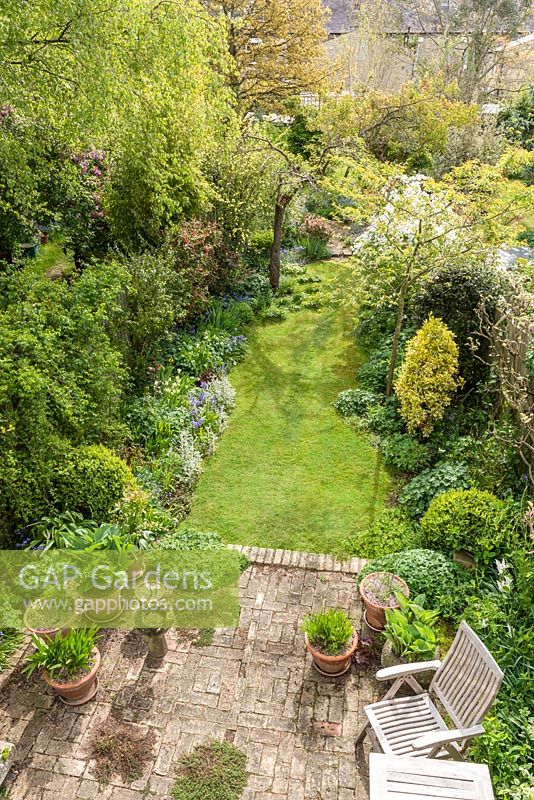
[[471, 520], [92, 480], [390, 532]]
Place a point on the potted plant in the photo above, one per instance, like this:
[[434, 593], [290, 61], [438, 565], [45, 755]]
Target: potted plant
[[331, 639], [410, 634], [47, 634], [56, 622], [69, 664], [377, 590]]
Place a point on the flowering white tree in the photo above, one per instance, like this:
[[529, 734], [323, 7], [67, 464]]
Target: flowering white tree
[[421, 227]]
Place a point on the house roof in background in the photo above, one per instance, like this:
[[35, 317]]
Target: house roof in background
[[343, 17]]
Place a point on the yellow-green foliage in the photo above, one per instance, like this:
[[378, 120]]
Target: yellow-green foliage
[[428, 376]]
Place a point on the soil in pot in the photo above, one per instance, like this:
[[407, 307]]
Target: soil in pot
[[332, 665], [377, 591], [77, 690]]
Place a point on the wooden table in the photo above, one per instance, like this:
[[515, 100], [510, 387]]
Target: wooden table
[[401, 778]]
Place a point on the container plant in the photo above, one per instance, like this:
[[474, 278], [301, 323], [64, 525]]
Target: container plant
[[410, 634], [331, 639], [69, 664], [58, 623], [377, 590]]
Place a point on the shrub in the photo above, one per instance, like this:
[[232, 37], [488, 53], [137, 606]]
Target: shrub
[[417, 494], [202, 354], [471, 519], [204, 264], [373, 374], [60, 380], [353, 402], [317, 228], [258, 249], [330, 631], [493, 459], [517, 119], [83, 218], [216, 770], [390, 532], [154, 303], [455, 295], [190, 539], [500, 611], [383, 418], [92, 480], [425, 571], [404, 452], [481, 141], [428, 376]]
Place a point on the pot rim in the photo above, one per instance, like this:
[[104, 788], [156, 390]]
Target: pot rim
[[366, 599], [333, 659], [75, 684]]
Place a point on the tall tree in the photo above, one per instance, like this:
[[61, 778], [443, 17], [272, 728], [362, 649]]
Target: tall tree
[[143, 79], [469, 35], [277, 47]]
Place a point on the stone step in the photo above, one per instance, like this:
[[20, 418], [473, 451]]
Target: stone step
[[319, 562]]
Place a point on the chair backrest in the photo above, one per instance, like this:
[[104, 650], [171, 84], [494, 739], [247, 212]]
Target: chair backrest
[[468, 680]]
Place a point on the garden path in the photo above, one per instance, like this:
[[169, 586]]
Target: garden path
[[288, 472]]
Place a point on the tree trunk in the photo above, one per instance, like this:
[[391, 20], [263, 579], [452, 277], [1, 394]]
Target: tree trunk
[[274, 264], [396, 335]]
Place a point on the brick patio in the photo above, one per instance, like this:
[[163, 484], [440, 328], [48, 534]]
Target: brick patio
[[254, 686]]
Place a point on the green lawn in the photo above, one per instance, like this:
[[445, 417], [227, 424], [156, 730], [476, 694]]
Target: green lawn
[[288, 473]]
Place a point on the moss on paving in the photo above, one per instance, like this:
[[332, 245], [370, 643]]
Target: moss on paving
[[288, 473]]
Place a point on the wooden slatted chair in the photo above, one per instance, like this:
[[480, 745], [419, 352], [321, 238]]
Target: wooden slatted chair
[[466, 684]]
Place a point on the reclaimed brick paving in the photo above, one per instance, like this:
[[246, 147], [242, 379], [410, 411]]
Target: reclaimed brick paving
[[254, 686]]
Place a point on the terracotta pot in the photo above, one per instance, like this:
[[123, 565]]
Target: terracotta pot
[[376, 612], [47, 634], [80, 691], [332, 665]]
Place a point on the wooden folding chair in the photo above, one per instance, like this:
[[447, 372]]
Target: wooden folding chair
[[466, 684]]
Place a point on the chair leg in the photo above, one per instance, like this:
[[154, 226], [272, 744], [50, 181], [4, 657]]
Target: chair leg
[[362, 733]]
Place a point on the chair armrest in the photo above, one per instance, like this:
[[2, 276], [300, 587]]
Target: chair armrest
[[399, 670], [446, 737]]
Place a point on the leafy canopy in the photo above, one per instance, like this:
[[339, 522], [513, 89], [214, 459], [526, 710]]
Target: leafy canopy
[[277, 47]]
